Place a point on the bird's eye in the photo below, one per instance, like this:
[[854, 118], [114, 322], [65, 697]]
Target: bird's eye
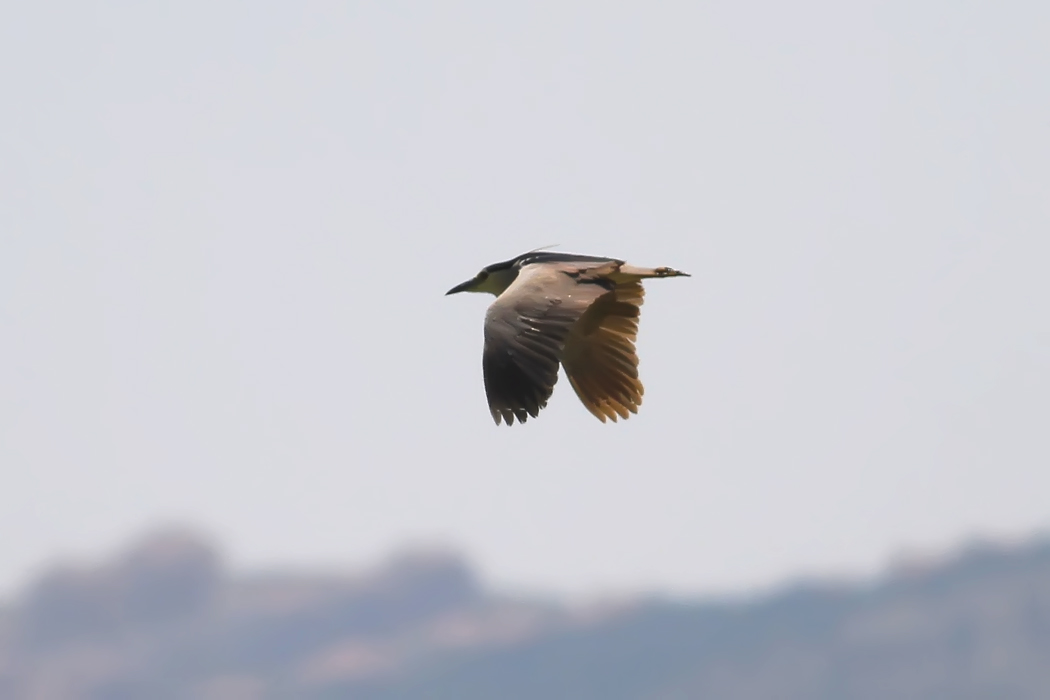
[[482, 276]]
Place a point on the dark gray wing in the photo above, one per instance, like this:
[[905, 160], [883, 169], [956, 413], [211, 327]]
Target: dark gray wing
[[525, 331]]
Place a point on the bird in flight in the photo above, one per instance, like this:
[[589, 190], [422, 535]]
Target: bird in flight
[[578, 311]]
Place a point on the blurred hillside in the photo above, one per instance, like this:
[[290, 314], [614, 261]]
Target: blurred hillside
[[166, 620]]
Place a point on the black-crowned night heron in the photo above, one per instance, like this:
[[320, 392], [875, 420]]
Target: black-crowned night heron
[[577, 310]]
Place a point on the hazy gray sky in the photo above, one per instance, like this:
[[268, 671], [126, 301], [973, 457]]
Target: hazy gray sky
[[226, 230]]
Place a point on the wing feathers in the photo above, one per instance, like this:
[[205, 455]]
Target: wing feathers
[[584, 318], [599, 355], [525, 331]]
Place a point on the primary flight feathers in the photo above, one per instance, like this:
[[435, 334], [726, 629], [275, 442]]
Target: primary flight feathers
[[578, 311]]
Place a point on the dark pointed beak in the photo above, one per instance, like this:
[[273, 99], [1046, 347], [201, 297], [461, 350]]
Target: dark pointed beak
[[460, 287]]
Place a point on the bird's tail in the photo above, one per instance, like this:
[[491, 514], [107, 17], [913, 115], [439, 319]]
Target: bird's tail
[[632, 273]]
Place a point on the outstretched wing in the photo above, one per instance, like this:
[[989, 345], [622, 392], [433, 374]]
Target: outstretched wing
[[599, 354], [525, 332]]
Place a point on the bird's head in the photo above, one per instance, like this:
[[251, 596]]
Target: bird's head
[[493, 279]]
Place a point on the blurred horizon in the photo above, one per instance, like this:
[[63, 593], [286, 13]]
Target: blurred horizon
[[900, 562], [166, 618]]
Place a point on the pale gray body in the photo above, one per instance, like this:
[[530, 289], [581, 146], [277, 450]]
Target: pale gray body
[[551, 309]]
